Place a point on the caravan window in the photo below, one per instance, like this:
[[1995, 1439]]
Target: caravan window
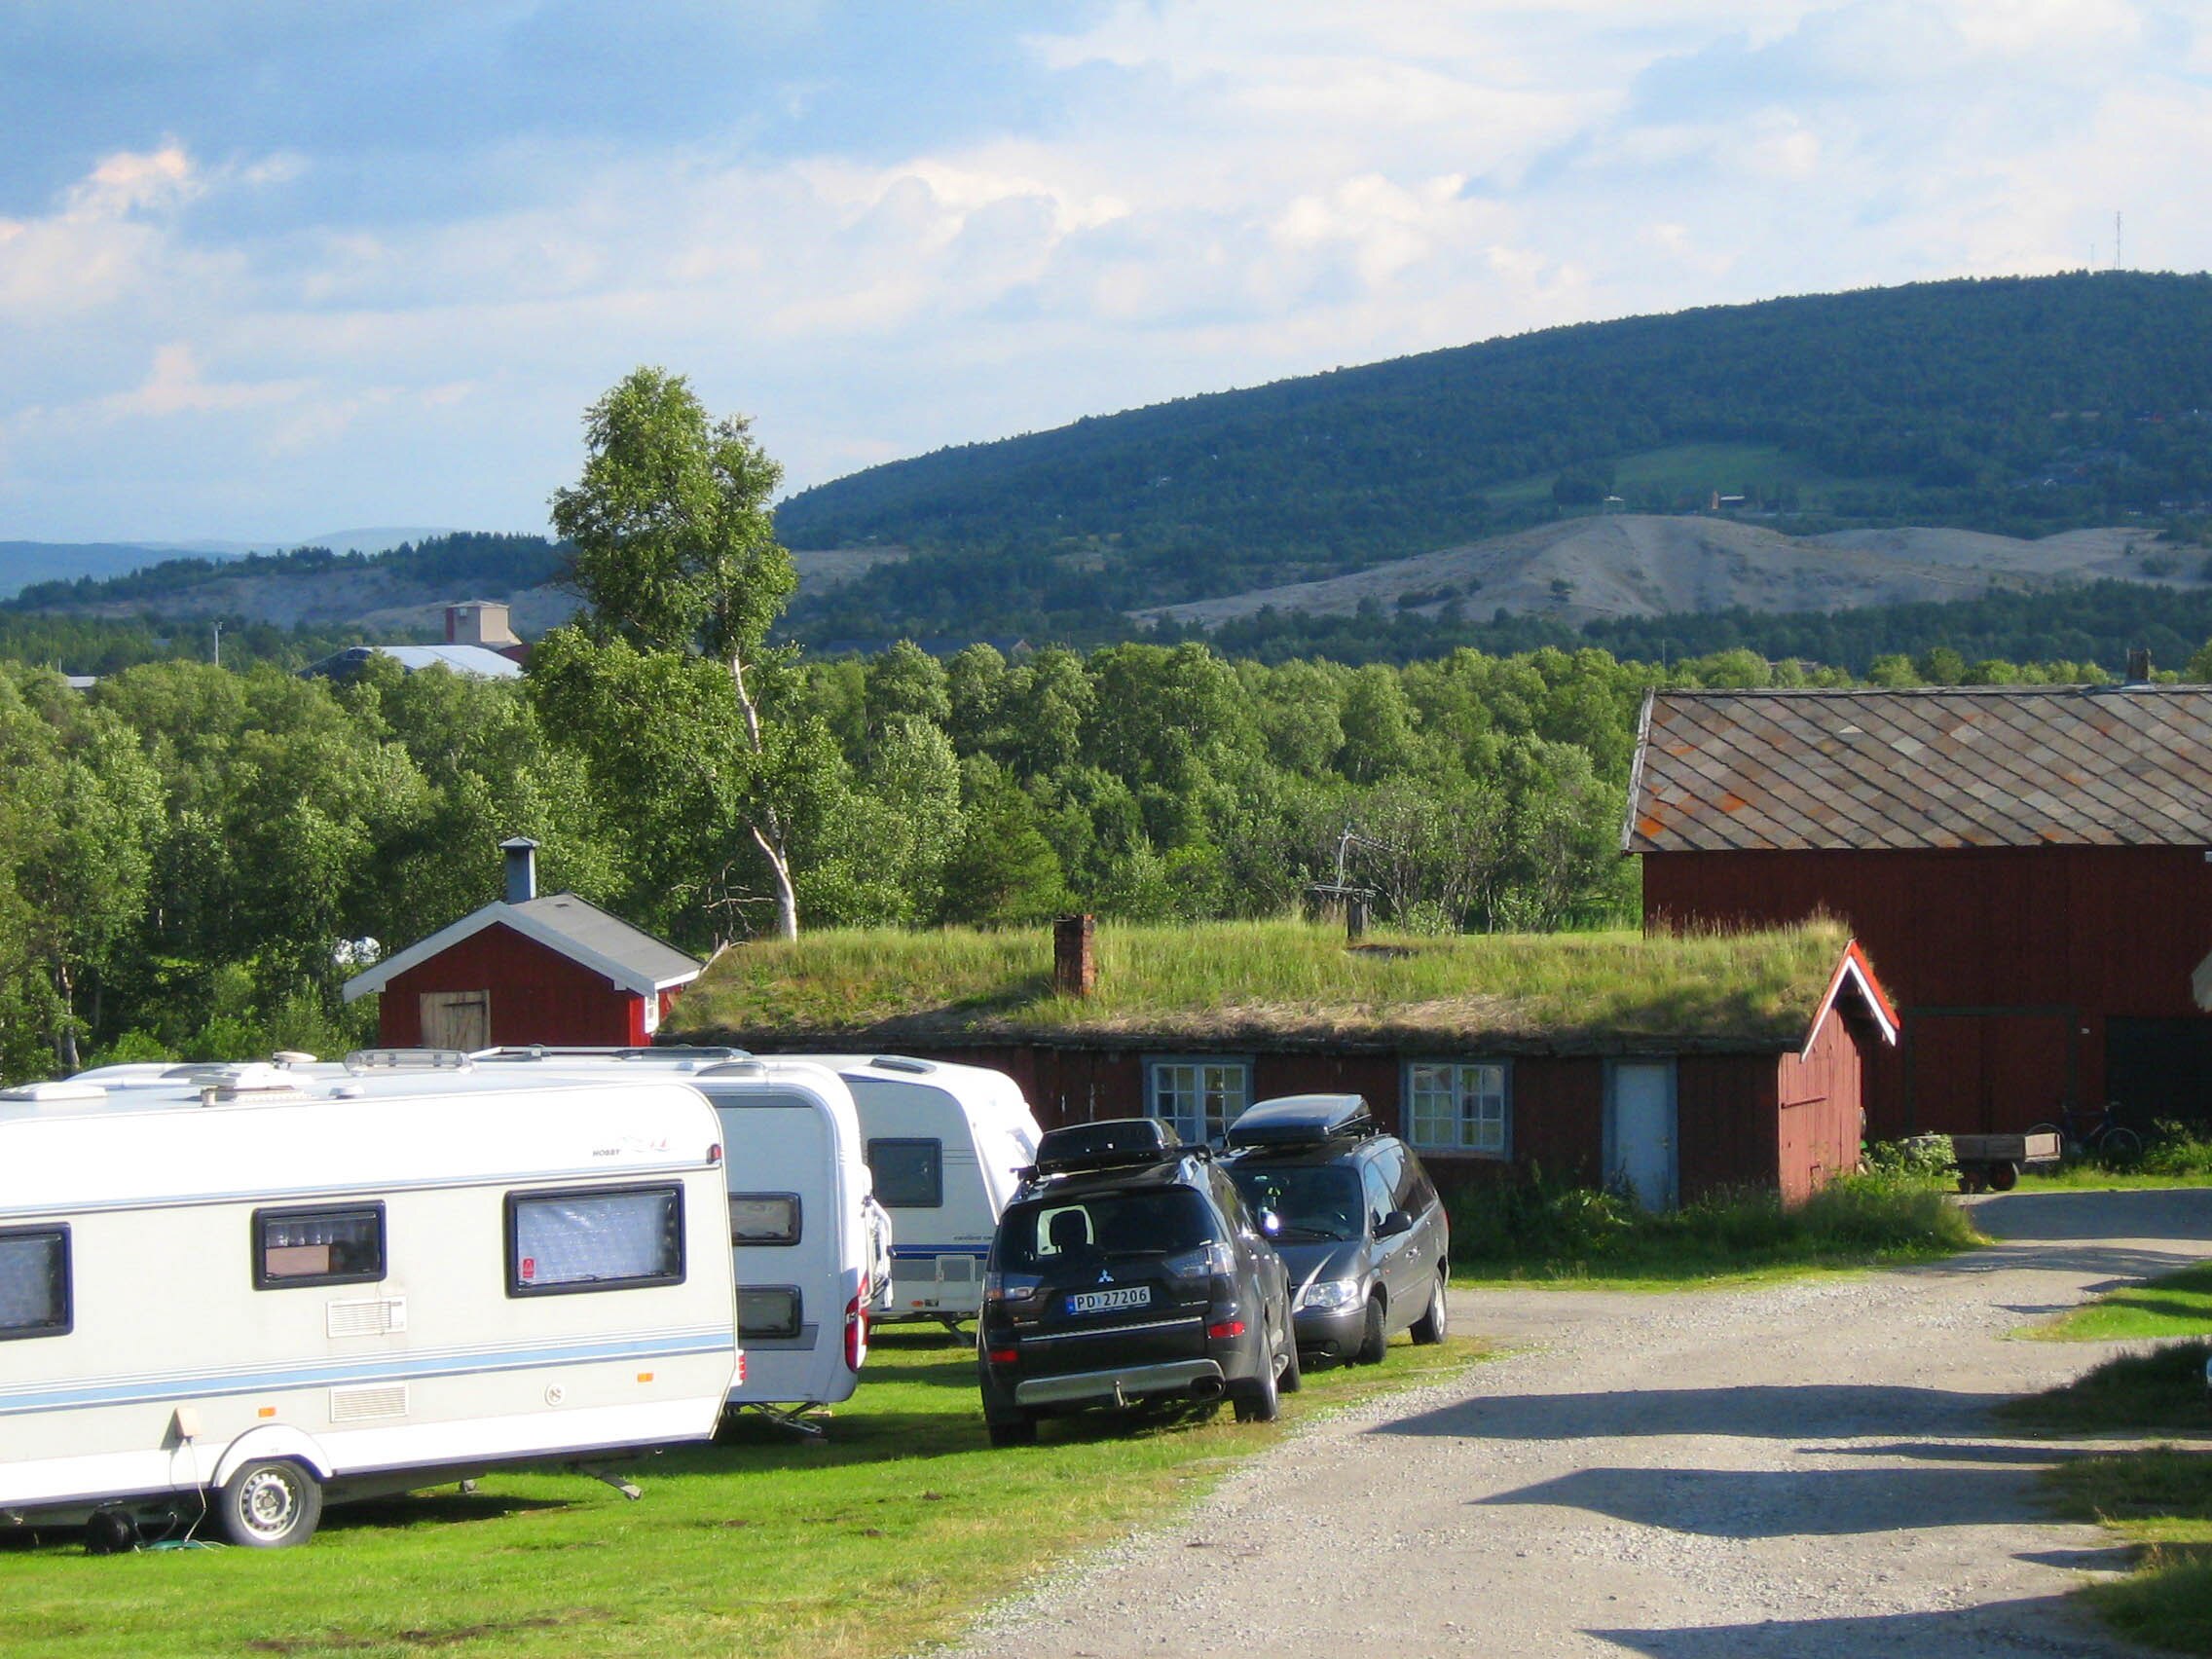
[[608, 1238], [909, 1174], [34, 1284], [767, 1310], [342, 1246], [764, 1218]]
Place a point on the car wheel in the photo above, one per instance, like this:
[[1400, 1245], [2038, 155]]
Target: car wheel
[[1435, 1322], [1292, 1379], [1018, 1433], [270, 1504], [1375, 1342], [1259, 1400]]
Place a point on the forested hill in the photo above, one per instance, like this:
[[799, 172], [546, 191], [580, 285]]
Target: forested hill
[[2014, 404]]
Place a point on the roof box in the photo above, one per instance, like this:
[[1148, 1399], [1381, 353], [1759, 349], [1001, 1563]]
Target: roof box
[[1107, 1145], [1303, 1120]]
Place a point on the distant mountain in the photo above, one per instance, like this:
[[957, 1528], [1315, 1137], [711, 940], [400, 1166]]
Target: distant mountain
[[22, 562], [2024, 406], [376, 541]]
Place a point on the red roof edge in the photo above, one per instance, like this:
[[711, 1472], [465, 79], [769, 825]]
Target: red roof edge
[[1853, 968]]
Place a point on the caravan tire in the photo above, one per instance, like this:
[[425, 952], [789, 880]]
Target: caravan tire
[[270, 1504]]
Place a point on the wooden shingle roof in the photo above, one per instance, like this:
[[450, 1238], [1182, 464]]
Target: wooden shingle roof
[[1956, 766]]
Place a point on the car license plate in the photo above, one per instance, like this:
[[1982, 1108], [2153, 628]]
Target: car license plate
[[1099, 1301]]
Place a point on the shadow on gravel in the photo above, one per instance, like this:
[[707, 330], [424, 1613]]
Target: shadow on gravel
[[2042, 1625], [1782, 1503], [1835, 1410]]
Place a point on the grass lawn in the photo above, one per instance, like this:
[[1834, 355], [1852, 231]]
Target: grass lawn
[[891, 1533], [2176, 1304], [2134, 1393], [2088, 1177], [2161, 1500]]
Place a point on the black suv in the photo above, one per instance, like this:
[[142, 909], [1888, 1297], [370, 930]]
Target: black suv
[[1354, 1216], [1127, 1269]]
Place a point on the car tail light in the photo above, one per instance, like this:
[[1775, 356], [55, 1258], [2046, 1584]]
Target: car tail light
[[856, 1333], [1221, 1330], [1003, 1356]]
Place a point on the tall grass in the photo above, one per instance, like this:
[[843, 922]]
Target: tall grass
[[1542, 1229]]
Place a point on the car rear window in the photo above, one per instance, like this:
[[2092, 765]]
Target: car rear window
[[1309, 1202], [1048, 1233]]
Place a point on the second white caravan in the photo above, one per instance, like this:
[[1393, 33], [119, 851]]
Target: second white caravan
[[231, 1296]]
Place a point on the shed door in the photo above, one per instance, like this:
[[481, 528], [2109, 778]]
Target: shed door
[[457, 1019], [1639, 1131]]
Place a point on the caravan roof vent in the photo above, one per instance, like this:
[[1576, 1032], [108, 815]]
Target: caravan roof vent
[[408, 1059], [1113, 1144], [1303, 1120], [291, 1057], [901, 1063], [254, 1081], [66, 1089]]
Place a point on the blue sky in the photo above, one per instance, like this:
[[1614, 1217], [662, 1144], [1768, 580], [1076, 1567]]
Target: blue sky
[[266, 271]]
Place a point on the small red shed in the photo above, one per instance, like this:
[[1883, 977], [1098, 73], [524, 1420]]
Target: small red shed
[[554, 970]]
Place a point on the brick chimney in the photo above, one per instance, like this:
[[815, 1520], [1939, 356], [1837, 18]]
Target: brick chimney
[[2139, 665], [1075, 956]]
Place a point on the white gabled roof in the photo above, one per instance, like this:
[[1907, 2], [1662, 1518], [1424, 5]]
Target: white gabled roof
[[629, 957]]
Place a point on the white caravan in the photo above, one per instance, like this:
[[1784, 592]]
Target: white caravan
[[810, 1246], [229, 1296], [944, 1143]]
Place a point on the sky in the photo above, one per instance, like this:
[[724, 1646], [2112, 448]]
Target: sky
[[272, 270]]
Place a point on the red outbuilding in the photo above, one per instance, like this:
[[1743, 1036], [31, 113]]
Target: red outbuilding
[[553, 970], [2029, 868]]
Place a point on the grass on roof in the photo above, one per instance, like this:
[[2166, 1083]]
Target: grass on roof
[[1271, 980]]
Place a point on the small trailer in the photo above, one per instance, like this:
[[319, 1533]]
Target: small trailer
[[228, 1296], [1992, 1163]]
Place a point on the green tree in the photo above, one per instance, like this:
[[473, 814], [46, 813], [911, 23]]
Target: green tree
[[676, 554], [1003, 872]]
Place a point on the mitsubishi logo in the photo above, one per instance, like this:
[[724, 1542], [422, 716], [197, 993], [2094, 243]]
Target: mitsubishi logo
[[1105, 1276]]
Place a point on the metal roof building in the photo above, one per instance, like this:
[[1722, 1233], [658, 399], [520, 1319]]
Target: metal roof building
[[2027, 866]]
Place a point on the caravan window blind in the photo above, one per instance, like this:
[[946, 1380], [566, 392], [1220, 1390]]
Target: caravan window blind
[[339, 1246], [764, 1218], [606, 1238], [767, 1312], [34, 1284]]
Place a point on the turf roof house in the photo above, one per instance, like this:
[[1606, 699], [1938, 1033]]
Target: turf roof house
[[1677, 1065], [2032, 868], [554, 968]]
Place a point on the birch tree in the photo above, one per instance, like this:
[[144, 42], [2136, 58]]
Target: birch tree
[[675, 552]]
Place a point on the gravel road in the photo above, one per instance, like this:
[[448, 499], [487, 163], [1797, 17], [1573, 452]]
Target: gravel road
[[1794, 1471]]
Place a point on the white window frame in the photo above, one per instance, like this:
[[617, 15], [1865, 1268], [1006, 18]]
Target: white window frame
[[1194, 1092], [1437, 1108]]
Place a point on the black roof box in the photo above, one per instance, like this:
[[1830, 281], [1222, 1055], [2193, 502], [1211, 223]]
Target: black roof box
[[1107, 1145], [1303, 1120]]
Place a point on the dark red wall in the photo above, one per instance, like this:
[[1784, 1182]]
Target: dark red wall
[[537, 995], [1732, 1131], [2059, 938]]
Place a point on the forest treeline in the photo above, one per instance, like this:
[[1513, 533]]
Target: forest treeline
[[189, 853], [2023, 405]]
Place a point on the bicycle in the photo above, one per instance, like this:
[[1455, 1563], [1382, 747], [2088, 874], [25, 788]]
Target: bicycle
[[2094, 1131]]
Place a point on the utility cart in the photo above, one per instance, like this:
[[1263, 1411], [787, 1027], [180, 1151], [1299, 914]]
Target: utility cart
[[1992, 1163]]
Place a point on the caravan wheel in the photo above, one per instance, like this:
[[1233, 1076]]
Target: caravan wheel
[[269, 1505]]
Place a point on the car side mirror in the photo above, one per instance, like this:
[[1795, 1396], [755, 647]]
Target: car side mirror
[[1393, 1224]]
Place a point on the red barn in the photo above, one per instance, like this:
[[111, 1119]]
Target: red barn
[[555, 970], [2029, 868]]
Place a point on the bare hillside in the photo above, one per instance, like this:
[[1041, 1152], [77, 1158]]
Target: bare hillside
[[1640, 565]]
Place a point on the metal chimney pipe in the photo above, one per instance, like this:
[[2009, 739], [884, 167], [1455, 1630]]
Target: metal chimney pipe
[[522, 868]]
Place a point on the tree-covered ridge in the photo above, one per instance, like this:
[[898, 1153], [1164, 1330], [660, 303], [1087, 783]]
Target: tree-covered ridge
[[2018, 404], [465, 557]]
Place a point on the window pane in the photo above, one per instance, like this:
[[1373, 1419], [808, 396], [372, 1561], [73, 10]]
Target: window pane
[[34, 1284], [319, 1246], [909, 1174], [598, 1238], [764, 1218], [767, 1310]]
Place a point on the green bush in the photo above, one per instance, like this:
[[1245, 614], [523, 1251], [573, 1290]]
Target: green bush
[[2175, 1149], [1926, 1158], [1547, 1229]]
